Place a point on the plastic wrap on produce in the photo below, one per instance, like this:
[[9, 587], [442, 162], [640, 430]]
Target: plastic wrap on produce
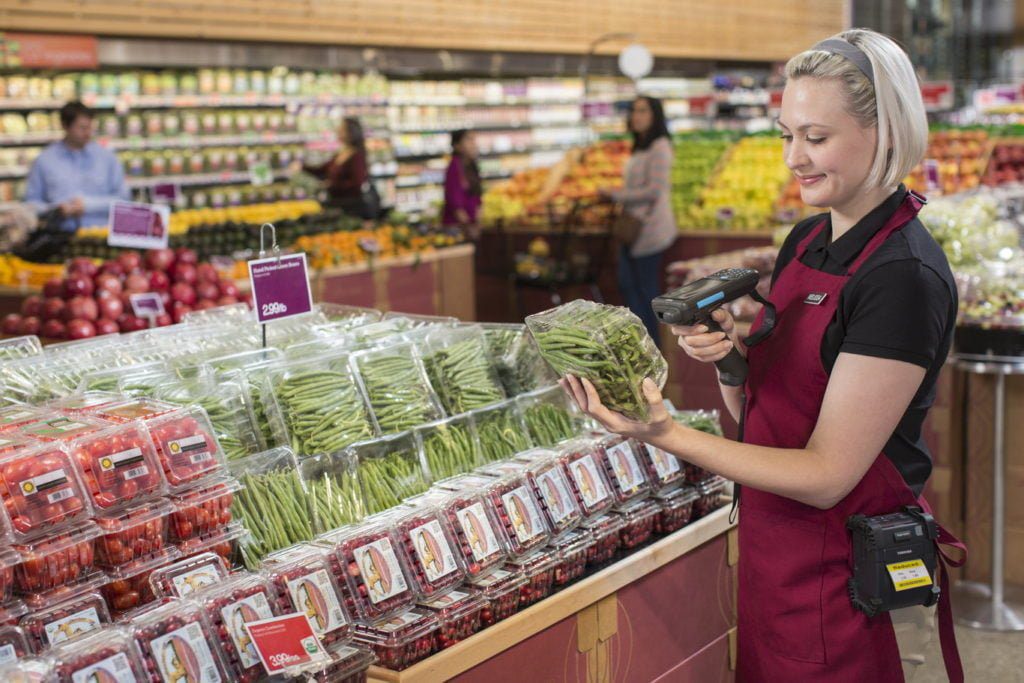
[[459, 369], [516, 358], [389, 470], [501, 431], [550, 416], [396, 386], [336, 498], [449, 447]]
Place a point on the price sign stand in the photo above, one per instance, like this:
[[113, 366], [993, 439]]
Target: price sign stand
[[280, 282], [263, 253]]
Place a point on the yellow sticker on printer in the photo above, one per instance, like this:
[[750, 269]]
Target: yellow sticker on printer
[[910, 574]]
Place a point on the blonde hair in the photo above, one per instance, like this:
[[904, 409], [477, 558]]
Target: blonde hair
[[892, 103]]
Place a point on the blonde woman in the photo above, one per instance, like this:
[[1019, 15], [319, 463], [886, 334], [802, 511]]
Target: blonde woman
[[839, 387]]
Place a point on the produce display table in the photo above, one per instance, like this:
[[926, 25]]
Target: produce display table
[[667, 610]]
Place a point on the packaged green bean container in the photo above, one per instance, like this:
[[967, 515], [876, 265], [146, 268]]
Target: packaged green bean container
[[336, 498], [516, 358], [396, 385], [226, 401], [607, 345], [389, 470], [449, 447], [501, 431], [550, 416], [460, 370]]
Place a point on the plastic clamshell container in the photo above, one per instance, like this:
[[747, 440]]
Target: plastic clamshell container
[[29, 670], [349, 664], [675, 509], [396, 387], [203, 510], [401, 640], [479, 536], [539, 570], [550, 481], [430, 546], [549, 415], [20, 347], [65, 621], [459, 612], [107, 654], [519, 513], [182, 579], [501, 431], [231, 604], [8, 561], [368, 558], [335, 495], [186, 446], [303, 582], [132, 534], [572, 550], [607, 531], [13, 645], [500, 589], [496, 470], [13, 417], [389, 470], [128, 587], [119, 466], [583, 461], [85, 403], [134, 409], [12, 442], [60, 560], [449, 446], [463, 482], [664, 471], [42, 491], [622, 465], [173, 638], [224, 542], [61, 428], [639, 517], [711, 492]]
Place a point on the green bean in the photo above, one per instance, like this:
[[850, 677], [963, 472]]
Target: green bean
[[390, 479], [336, 499], [398, 393], [449, 450], [548, 423], [275, 509], [501, 435]]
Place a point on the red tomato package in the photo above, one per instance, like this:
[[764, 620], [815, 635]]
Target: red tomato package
[[186, 446], [119, 466], [203, 511], [60, 560], [61, 428], [128, 587], [132, 534], [13, 417], [133, 409], [41, 491]]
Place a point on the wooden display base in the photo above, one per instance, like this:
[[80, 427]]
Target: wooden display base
[[591, 609]]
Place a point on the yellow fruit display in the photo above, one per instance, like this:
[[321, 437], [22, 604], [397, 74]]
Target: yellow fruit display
[[15, 272]]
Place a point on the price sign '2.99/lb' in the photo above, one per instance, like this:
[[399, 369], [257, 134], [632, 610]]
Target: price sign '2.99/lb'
[[280, 287]]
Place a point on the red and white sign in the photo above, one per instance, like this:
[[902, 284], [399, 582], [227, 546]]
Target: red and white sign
[[937, 95], [49, 51], [286, 642]]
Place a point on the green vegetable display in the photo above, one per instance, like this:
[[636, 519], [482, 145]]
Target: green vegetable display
[[396, 386], [225, 404], [548, 423], [501, 433], [701, 420], [449, 449], [608, 345], [516, 359], [389, 471], [335, 496], [460, 371]]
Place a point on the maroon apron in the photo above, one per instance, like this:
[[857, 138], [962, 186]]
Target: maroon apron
[[796, 621]]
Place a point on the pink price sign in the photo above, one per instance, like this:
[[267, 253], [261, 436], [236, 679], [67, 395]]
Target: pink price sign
[[147, 304], [280, 287], [139, 226]]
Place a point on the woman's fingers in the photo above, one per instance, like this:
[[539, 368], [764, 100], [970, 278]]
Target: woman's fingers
[[698, 341]]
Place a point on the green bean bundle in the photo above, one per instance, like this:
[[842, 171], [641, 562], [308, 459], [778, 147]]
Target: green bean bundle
[[460, 371], [501, 433], [334, 493], [516, 359], [548, 423], [274, 507], [449, 449], [389, 480], [397, 388]]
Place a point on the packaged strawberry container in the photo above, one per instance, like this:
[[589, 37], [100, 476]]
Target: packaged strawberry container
[[119, 466], [519, 514], [572, 550], [8, 561], [349, 664], [676, 509], [500, 590], [583, 460], [65, 621], [664, 471], [459, 613], [42, 491], [607, 531], [128, 586], [479, 536], [639, 517], [132, 534], [62, 428], [133, 409], [204, 510], [85, 403], [13, 645], [13, 417], [711, 492], [401, 640], [302, 581], [231, 604], [430, 546], [173, 639], [185, 577], [621, 461], [550, 481], [539, 570], [225, 542], [107, 655], [29, 670], [63, 559], [367, 557], [186, 446]]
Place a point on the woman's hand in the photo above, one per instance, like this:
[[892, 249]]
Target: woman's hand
[[583, 392], [709, 347]]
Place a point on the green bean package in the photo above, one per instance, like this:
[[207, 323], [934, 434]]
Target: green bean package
[[549, 416], [274, 504], [516, 358], [396, 385], [501, 431], [449, 447], [320, 404], [249, 369], [459, 369], [608, 345], [226, 401], [334, 492], [389, 470]]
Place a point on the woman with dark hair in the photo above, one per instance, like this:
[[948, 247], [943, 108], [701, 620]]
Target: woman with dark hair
[[462, 187], [646, 195], [345, 175]]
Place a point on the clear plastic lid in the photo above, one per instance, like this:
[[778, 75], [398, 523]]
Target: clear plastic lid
[[65, 621], [303, 581], [449, 447], [638, 510], [664, 471], [202, 511], [712, 485], [85, 402], [231, 604], [184, 578], [574, 542], [107, 654], [396, 386], [119, 466], [8, 561], [62, 428], [186, 445], [678, 497], [549, 416], [677, 508], [519, 513], [389, 470], [128, 587], [464, 482], [430, 547], [550, 481], [13, 417], [501, 431], [622, 465], [30, 670], [537, 563], [20, 347], [42, 491], [496, 470], [401, 640], [132, 534], [334, 491], [454, 605], [584, 463], [173, 639], [225, 542], [605, 526], [11, 442], [134, 409], [228, 404], [13, 645], [498, 583], [348, 664], [12, 611], [459, 369]]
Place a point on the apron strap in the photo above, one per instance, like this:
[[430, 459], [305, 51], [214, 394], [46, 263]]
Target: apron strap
[[801, 248], [906, 212], [947, 634]]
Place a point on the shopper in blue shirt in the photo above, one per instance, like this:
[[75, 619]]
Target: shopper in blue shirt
[[76, 175]]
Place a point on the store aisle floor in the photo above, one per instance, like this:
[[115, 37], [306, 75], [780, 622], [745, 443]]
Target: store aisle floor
[[988, 658]]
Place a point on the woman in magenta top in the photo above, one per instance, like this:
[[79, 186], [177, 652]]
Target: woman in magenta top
[[462, 188]]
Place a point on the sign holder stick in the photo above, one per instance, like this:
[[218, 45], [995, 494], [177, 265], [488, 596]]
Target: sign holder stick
[[263, 252]]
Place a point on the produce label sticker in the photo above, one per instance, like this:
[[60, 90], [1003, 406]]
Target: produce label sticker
[[624, 464], [184, 655], [190, 582], [555, 489], [664, 464], [126, 465], [50, 487], [139, 226], [191, 450], [8, 654], [910, 574], [285, 643], [314, 596], [379, 570], [433, 551], [588, 480], [280, 287], [395, 623], [478, 531], [14, 416], [62, 426], [147, 304], [237, 615], [116, 669], [523, 513], [72, 626], [446, 600]]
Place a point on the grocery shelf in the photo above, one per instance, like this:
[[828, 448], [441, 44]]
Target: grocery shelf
[[266, 138], [416, 181], [13, 171], [31, 138], [221, 178], [492, 153], [447, 128]]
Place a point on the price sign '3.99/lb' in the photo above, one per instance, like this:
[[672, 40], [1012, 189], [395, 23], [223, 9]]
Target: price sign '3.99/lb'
[[280, 287]]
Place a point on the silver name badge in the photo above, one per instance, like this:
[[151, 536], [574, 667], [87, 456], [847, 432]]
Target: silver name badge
[[815, 298]]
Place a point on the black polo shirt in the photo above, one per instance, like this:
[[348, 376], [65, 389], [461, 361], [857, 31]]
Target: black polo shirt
[[901, 304]]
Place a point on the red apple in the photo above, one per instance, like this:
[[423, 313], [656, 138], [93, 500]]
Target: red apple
[[185, 272], [163, 320], [81, 329], [32, 305], [179, 310], [136, 283], [226, 301], [160, 259], [53, 308], [11, 323], [207, 273], [110, 307], [158, 281], [53, 287], [113, 268], [228, 288], [81, 265], [165, 297], [106, 326], [184, 255], [77, 285], [184, 293], [30, 325], [53, 329], [207, 291], [81, 308], [108, 282], [130, 323], [130, 261]]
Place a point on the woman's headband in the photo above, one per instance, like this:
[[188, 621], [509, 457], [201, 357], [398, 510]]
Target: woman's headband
[[851, 52]]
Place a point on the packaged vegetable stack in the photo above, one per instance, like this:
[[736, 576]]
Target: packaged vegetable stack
[[396, 386], [516, 358], [549, 415], [501, 431], [389, 470], [459, 369], [450, 447]]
